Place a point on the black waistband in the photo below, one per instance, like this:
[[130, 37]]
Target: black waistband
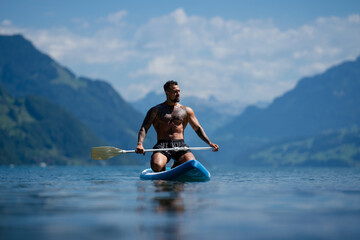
[[170, 141]]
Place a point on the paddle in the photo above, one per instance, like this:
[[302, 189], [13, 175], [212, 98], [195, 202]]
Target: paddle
[[103, 153]]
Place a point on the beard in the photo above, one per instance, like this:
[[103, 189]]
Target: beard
[[175, 100]]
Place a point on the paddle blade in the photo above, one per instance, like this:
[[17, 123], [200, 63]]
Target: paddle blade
[[102, 153]]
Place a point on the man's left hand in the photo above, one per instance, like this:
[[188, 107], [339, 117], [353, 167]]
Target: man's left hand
[[214, 146]]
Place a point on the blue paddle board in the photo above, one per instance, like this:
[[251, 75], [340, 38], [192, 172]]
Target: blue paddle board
[[190, 171]]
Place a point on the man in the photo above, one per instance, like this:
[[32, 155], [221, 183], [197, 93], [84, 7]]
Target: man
[[170, 119]]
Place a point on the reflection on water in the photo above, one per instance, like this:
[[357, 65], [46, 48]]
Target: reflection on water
[[163, 201], [165, 196], [173, 202]]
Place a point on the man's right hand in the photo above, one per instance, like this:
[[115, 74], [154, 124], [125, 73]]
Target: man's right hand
[[140, 149]]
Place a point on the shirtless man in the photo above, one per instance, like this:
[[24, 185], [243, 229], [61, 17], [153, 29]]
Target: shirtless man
[[170, 119]]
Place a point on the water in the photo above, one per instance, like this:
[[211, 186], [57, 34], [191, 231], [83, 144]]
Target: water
[[238, 203]]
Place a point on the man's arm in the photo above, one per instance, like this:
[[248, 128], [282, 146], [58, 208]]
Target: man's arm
[[199, 130], [150, 116]]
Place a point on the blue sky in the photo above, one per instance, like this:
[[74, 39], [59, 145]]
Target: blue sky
[[285, 13], [238, 51]]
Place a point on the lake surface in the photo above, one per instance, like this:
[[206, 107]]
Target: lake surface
[[238, 203]]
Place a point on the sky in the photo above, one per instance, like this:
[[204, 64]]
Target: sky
[[240, 52]]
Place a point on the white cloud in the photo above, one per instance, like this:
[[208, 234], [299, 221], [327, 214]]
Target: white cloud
[[6, 22], [235, 61], [117, 17], [354, 18], [259, 59], [159, 66], [180, 16]]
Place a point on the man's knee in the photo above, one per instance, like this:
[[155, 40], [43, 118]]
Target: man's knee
[[158, 164], [156, 167]]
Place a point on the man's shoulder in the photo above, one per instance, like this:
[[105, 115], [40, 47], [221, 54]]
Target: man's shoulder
[[156, 108], [186, 108]]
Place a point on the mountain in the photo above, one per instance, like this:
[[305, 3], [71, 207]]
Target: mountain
[[34, 130], [328, 101], [26, 71]]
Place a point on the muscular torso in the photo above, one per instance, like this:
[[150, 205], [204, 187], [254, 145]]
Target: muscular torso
[[170, 121]]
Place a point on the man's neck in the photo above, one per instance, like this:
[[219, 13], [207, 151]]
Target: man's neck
[[170, 103]]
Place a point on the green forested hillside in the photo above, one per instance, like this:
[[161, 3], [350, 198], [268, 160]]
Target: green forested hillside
[[34, 130], [333, 148]]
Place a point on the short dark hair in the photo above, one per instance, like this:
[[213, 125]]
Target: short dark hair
[[168, 84]]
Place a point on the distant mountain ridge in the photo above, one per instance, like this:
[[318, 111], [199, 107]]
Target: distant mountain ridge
[[326, 102], [26, 71]]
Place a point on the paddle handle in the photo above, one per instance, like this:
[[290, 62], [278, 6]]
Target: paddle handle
[[176, 149]]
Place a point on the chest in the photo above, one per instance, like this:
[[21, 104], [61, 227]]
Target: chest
[[173, 115]]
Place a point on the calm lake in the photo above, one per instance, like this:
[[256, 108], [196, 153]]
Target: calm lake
[[238, 203]]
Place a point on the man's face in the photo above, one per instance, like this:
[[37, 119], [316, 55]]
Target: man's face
[[173, 93]]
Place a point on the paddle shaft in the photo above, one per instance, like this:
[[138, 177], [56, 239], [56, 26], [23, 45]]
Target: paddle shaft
[[169, 149], [102, 153]]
